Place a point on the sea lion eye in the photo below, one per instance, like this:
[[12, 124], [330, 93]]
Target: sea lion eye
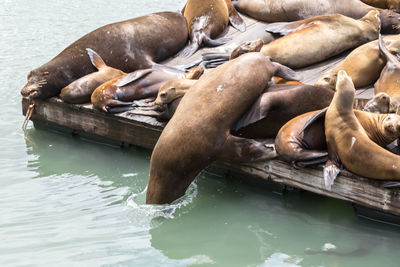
[[326, 79], [163, 94]]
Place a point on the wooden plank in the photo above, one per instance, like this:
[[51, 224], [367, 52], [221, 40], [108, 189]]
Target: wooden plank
[[144, 132]]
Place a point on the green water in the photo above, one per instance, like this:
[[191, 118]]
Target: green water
[[70, 202]]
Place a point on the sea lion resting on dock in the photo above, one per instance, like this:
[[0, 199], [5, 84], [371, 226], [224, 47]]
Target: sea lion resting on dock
[[207, 19], [389, 80], [117, 94], [381, 103], [364, 64], [302, 142], [292, 10], [385, 4], [348, 142], [313, 40], [128, 45], [198, 133], [79, 91]]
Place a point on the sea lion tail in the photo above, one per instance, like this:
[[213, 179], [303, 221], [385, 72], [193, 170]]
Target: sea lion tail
[[331, 171], [286, 72], [96, 59]]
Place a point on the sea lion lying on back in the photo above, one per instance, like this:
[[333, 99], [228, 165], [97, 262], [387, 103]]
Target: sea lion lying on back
[[302, 142], [363, 64], [79, 91], [292, 10], [198, 133], [127, 45], [348, 142], [207, 19]]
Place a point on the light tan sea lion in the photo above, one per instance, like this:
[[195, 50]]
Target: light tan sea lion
[[349, 144], [316, 39], [381, 103], [292, 10], [198, 133], [79, 91], [207, 19], [389, 80], [302, 142], [364, 64], [172, 90], [127, 45]]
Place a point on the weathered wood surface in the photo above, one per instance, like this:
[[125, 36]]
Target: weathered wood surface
[[144, 131]]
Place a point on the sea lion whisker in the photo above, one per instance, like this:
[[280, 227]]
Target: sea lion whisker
[[28, 115]]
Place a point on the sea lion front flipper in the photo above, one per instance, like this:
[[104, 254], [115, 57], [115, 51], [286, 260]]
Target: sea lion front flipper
[[239, 149], [310, 120], [96, 59], [311, 157], [133, 76], [285, 28], [234, 18], [331, 171], [286, 72], [257, 111]]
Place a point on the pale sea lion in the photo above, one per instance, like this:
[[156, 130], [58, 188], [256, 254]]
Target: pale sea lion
[[198, 133], [172, 90], [292, 10], [389, 80], [364, 64], [349, 144], [385, 4], [301, 141], [207, 19], [117, 94], [128, 45], [319, 38], [79, 91], [380, 103]]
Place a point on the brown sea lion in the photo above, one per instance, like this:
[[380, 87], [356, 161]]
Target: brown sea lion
[[207, 19], [277, 105], [172, 90], [79, 91], [389, 80], [117, 94], [348, 142], [292, 10], [316, 39], [128, 45], [198, 133], [385, 4], [363, 64], [301, 141]]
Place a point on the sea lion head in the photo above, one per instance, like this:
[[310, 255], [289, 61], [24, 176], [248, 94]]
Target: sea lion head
[[167, 93], [391, 125], [380, 103], [328, 80], [36, 81], [246, 47]]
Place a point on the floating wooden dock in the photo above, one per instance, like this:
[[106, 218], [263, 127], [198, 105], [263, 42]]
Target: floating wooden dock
[[370, 198]]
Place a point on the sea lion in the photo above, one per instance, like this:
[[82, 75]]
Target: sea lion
[[389, 80], [301, 141], [292, 10], [277, 105], [198, 133], [128, 45], [80, 90], [117, 94], [313, 40], [380, 103], [172, 90], [207, 19], [349, 144], [385, 4], [363, 64]]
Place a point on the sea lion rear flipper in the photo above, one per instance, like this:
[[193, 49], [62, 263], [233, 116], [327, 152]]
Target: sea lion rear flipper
[[331, 171], [310, 120], [170, 69], [95, 58], [214, 42], [189, 50], [285, 28], [134, 76], [239, 149], [117, 106], [286, 72], [234, 18]]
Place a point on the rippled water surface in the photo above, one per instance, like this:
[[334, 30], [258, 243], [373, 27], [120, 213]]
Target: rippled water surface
[[71, 202]]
